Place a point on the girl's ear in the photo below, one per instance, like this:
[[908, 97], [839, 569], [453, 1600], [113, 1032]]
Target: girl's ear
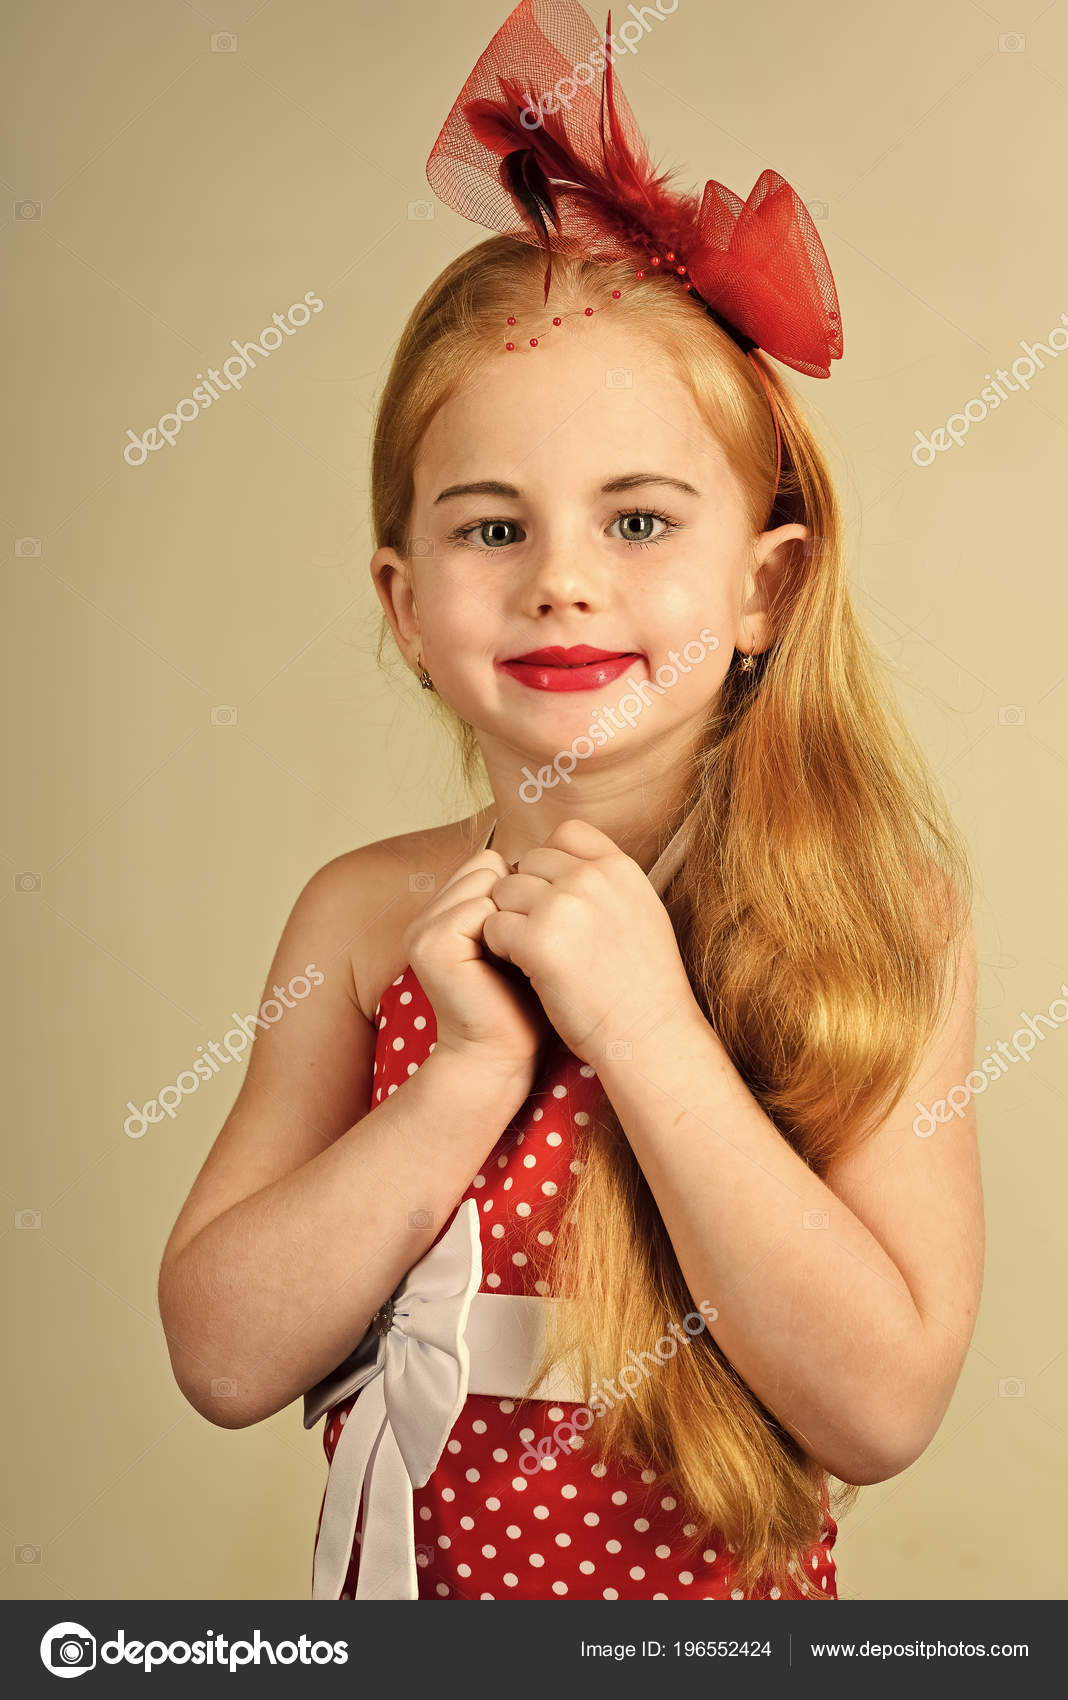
[[390, 573], [771, 554]]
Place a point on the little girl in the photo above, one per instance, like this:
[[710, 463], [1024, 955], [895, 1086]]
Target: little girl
[[588, 1207]]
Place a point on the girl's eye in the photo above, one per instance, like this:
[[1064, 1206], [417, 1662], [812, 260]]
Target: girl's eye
[[636, 522]]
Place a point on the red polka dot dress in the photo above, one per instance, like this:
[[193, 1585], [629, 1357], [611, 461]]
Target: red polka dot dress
[[485, 1529]]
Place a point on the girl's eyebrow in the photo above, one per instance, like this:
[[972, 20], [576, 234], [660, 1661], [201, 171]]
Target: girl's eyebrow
[[630, 481]]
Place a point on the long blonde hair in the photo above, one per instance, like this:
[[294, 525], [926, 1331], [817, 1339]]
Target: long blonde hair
[[819, 910]]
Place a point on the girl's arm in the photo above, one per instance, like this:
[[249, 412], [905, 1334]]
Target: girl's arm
[[847, 1306], [310, 1209]]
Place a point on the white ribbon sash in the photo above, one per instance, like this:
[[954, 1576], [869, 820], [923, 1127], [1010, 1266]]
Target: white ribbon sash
[[442, 1340]]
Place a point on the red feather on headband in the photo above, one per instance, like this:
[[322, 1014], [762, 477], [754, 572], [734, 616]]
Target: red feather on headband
[[575, 178]]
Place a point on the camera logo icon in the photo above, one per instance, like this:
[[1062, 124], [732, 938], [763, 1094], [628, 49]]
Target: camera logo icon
[[815, 1218], [1012, 714], [224, 714], [421, 882], [68, 1649]]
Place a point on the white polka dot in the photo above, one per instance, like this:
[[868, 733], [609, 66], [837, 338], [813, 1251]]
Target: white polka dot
[[619, 1497], [412, 1067], [486, 1596], [737, 1594], [668, 1503], [536, 1115], [553, 1139], [709, 1556], [563, 1540], [549, 1188], [510, 1580], [581, 1118], [391, 1091], [815, 1561], [479, 1180], [519, 1257], [586, 1071], [425, 1512], [641, 1524], [447, 1493], [444, 1541], [569, 1490], [689, 1528], [522, 1209], [686, 1576], [637, 1572], [545, 1238], [508, 1184], [497, 1231], [543, 1287], [463, 1570], [526, 1434], [663, 1552], [420, 1559], [554, 1414], [559, 1091], [513, 1531], [489, 1552], [472, 1475], [478, 1426], [559, 1587], [398, 1044], [442, 1589], [493, 1504], [506, 1405], [587, 1568], [592, 1519], [519, 1483], [648, 1476], [493, 1279], [575, 1167], [598, 1469], [823, 1581], [406, 997], [529, 1160], [541, 1511], [775, 1593], [488, 1204], [537, 1560], [500, 1456], [467, 1522], [454, 1446], [664, 1596], [420, 1022], [610, 1594], [502, 1162], [548, 1463], [613, 1546]]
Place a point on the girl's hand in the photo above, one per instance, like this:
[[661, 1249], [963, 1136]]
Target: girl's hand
[[486, 1013], [597, 945]]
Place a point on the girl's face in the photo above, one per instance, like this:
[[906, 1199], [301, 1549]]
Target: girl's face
[[571, 495]]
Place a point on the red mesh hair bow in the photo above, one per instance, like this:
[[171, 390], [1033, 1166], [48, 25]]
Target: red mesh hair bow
[[570, 172]]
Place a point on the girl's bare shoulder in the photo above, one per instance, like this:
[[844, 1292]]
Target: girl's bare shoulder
[[382, 886]]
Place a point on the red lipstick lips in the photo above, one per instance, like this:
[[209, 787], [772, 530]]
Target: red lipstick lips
[[579, 668]]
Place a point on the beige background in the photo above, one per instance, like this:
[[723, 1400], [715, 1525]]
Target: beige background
[[186, 195]]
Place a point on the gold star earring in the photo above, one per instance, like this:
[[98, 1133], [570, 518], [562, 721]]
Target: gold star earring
[[747, 660], [424, 677]]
